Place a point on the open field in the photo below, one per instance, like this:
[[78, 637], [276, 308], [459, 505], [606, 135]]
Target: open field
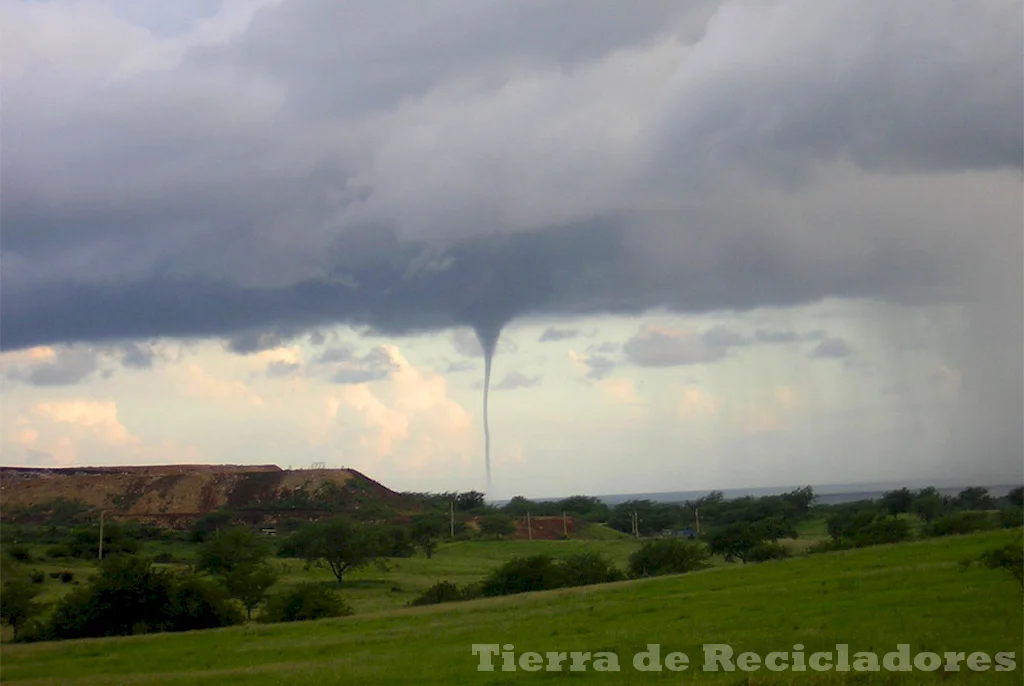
[[871, 599]]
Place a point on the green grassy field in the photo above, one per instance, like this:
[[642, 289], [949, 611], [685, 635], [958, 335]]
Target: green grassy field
[[871, 599]]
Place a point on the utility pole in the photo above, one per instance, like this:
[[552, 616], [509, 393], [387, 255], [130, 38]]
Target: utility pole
[[696, 517], [636, 525], [101, 536], [451, 518], [529, 526], [565, 526]]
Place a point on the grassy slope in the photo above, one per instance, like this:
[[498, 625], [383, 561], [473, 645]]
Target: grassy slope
[[871, 599]]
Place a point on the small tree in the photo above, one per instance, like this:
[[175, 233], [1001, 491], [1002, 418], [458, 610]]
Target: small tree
[[1016, 496], [929, 504], [735, 541], [470, 500], [339, 543], [497, 525], [16, 604], [238, 558], [974, 498], [426, 530], [895, 502]]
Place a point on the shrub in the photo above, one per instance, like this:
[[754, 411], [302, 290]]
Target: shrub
[[129, 593], [163, 558], [961, 523], [303, 602], [66, 577], [441, 592], [767, 551], [524, 574], [882, 529], [1011, 517], [36, 576], [828, 546], [589, 568], [668, 556], [1009, 557], [20, 553]]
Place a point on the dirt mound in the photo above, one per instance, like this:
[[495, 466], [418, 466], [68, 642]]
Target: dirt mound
[[174, 495], [544, 528]]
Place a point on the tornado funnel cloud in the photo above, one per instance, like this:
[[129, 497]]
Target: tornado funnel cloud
[[488, 337]]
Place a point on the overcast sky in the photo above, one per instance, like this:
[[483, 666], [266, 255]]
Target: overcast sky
[[727, 243]]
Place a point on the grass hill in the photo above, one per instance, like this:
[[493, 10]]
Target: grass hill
[[871, 599]]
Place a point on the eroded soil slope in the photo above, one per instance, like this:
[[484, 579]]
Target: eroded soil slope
[[174, 495]]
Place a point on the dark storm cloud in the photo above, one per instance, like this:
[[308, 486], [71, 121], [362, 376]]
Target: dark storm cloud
[[555, 334], [472, 162], [68, 366], [136, 355], [373, 366]]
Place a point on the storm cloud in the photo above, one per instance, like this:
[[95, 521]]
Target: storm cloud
[[279, 167]]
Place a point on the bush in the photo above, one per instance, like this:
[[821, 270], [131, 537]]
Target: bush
[[668, 556], [961, 523], [36, 576], [66, 577], [58, 551], [584, 569], [882, 529], [1011, 517], [163, 558], [20, 553], [129, 594], [304, 602], [1009, 557], [525, 574], [767, 551], [828, 546], [441, 592]]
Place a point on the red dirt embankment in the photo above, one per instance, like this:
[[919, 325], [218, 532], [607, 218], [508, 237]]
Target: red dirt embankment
[[173, 495]]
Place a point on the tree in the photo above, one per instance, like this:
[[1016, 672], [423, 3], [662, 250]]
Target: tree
[[16, 604], [735, 541], [228, 549], [929, 504], [209, 524], [1016, 496], [497, 525], [426, 529], [895, 502], [470, 500], [339, 543], [974, 498], [238, 558], [668, 556]]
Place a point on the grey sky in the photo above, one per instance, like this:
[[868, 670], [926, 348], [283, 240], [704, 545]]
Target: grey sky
[[256, 171]]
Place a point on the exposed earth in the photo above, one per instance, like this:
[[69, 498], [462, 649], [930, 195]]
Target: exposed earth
[[175, 495]]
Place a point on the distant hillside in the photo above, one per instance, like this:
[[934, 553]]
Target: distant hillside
[[175, 495]]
